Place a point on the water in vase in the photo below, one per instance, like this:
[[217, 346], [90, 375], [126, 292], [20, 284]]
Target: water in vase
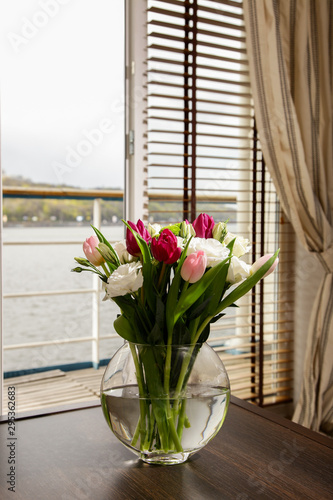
[[198, 416]]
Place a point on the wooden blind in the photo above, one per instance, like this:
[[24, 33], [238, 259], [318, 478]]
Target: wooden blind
[[204, 156]]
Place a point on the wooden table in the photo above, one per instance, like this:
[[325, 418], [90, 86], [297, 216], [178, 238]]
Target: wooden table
[[72, 454]]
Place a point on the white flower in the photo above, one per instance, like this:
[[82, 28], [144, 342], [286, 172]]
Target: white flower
[[238, 270], [124, 256], [215, 251], [241, 245], [154, 229], [126, 279], [181, 242]]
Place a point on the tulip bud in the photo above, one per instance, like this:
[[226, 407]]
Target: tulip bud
[[203, 226], [261, 261], [186, 229], [165, 248], [154, 229], [131, 244], [194, 267], [91, 252], [106, 253], [220, 231]]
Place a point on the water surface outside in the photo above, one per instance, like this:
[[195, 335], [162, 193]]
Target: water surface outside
[[39, 268]]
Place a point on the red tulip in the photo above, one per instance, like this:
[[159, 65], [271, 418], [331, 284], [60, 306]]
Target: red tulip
[[131, 244], [203, 226], [164, 248]]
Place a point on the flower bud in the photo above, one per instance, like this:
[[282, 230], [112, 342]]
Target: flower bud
[[220, 231], [165, 248], [131, 243], [91, 252], [106, 253], [203, 226], [194, 267], [261, 261], [186, 229], [154, 229]]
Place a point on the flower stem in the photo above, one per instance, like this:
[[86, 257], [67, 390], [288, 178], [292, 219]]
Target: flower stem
[[161, 275], [139, 377], [186, 362], [181, 419], [105, 270]]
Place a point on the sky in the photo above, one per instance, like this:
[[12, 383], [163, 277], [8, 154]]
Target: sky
[[62, 82]]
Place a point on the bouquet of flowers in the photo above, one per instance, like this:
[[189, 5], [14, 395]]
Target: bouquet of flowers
[[170, 283]]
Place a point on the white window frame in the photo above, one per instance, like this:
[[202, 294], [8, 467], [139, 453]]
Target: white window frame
[[135, 192], [1, 288]]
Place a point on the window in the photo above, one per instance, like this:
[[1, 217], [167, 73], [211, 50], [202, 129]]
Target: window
[[62, 147], [191, 147], [204, 156]]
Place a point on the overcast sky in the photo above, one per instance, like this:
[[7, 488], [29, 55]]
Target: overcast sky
[[62, 80]]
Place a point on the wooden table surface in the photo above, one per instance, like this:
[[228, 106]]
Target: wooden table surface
[[73, 454]]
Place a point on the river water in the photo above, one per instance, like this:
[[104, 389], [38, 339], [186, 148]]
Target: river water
[[42, 268]]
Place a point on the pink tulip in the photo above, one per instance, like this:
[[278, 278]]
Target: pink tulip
[[91, 252], [203, 226], [165, 247], [131, 244], [194, 266], [261, 261]]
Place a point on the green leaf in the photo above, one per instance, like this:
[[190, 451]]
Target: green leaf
[[217, 317], [216, 289], [124, 328], [155, 336], [181, 334], [160, 309], [230, 245], [196, 310], [204, 334], [193, 293]]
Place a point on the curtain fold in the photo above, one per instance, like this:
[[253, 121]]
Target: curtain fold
[[290, 51]]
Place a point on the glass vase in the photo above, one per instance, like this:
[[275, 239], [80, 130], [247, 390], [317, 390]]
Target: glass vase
[[165, 403]]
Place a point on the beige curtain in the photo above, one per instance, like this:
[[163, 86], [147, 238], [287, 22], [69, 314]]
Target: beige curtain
[[290, 44]]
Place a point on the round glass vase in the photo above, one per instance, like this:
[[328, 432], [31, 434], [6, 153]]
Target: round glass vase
[[165, 403]]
